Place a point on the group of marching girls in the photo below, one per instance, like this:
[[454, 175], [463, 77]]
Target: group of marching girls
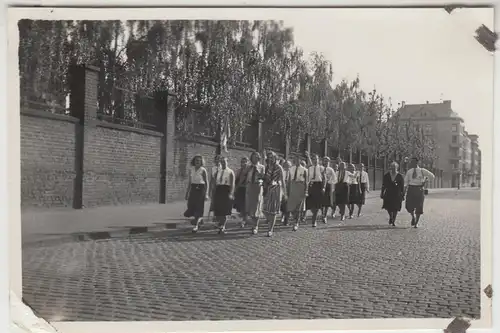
[[274, 187]]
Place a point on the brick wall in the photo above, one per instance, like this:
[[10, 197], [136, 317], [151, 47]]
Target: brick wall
[[121, 165], [47, 159]]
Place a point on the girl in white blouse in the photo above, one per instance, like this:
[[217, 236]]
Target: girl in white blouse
[[196, 193], [297, 189], [316, 187], [342, 189], [213, 172], [354, 189], [329, 187], [223, 194]]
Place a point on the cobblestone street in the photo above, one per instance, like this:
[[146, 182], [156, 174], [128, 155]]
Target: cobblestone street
[[363, 269]]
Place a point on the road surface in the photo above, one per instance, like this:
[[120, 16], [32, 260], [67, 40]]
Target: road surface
[[364, 269]]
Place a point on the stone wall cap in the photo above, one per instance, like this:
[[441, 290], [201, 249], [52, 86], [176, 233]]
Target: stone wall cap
[[92, 68]]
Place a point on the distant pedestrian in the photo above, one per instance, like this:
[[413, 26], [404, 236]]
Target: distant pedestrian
[[213, 172], [329, 185], [314, 200], [197, 191], [254, 191], [297, 192], [415, 180], [342, 189], [274, 190], [364, 186], [286, 177], [354, 189], [392, 192], [241, 184], [224, 194]]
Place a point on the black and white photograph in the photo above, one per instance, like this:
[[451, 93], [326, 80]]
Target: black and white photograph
[[255, 164]]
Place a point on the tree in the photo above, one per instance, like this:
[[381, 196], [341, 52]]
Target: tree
[[227, 71]]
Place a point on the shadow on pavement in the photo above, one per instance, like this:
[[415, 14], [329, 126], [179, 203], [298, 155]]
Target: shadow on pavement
[[207, 232], [365, 227], [458, 195]]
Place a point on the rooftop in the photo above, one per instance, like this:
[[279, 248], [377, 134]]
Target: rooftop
[[428, 110]]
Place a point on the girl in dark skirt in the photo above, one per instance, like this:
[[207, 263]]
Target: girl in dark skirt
[[354, 190], [213, 172], [223, 194], [330, 178], [254, 193], [392, 192], [342, 190], [335, 168], [415, 180], [286, 175], [314, 200], [196, 193], [364, 186], [240, 183]]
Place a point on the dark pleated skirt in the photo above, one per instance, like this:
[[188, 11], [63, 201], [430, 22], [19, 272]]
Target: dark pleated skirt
[[239, 199], [341, 194], [314, 199], [196, 201], [223, 206], [296, 197], [283, 207], [354, 194], [415, 199], [327, 196]]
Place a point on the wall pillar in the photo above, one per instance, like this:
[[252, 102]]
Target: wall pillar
[[287, 145], [260, 137], [165, 119], [308, 142], [324, 147], [83, 105]]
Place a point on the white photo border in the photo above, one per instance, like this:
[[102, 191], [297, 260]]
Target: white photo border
[[12, 149]]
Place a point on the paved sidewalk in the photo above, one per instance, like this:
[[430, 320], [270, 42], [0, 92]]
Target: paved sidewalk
[[41, 225]]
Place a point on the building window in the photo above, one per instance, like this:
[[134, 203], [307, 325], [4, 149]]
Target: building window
[[454, 139], [454, 128]]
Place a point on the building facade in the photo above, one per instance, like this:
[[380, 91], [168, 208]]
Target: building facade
[[454, 146], [475, 176]]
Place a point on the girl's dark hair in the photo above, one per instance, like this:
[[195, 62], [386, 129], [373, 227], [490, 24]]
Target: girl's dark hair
[[255, 153], [194, 159]]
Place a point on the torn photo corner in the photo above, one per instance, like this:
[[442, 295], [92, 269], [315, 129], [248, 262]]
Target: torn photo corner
[[24, 320]]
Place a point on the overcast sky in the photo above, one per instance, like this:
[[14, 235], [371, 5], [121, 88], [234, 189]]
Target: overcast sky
[[412, 55]]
